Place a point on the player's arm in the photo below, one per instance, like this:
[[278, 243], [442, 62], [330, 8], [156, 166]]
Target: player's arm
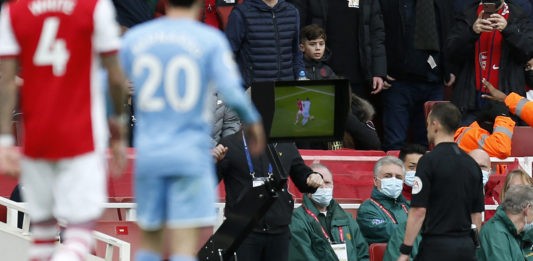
[[9, 157], [118, 88], [8, 94], [107, 42]]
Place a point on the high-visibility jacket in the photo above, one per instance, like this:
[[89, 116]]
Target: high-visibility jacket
[[497, 144], [521, 107]]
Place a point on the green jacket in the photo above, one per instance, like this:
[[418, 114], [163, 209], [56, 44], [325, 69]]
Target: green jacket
[[376, 225], [393, 246], [308, 243], [499, 240], [527, 246]]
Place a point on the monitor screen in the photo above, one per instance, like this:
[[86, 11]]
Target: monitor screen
[[302, 110]]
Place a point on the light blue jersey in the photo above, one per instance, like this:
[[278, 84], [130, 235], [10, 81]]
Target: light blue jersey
[[172, 63]]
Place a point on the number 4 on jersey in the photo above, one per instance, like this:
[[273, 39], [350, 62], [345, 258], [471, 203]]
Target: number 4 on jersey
[[50, 50]]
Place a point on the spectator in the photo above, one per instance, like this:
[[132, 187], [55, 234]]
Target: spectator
[[447, 194], [269, 239], [65, 137], [513, 178], [526, 5], [226, 121], [355, 37], [518, 105], [360, 132], [321, 223], [500, 237], [264, 34], [174, 174], [482, 158], [409, 155], [492, 133], [417, 66], [315, 53], [379, 215], [494, 48]]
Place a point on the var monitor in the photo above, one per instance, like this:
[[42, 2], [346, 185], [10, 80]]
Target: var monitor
[[302, 110]]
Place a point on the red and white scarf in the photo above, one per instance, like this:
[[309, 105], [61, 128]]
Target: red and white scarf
[[488, 53]]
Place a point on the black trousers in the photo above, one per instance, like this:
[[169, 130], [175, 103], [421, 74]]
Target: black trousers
[[265, 247], [436, 248]]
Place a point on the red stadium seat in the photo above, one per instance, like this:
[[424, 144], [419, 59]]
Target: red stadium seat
[[395, 153], [377, 251], [522, 144]]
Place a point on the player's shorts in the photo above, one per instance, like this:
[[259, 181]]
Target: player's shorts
[[175, 201], [72, 189], [306, 114]]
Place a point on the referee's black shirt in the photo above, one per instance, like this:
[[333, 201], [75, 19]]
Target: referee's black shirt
[[450, 188]]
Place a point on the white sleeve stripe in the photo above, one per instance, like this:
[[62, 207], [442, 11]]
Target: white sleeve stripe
[[106, 34], [8, 43]]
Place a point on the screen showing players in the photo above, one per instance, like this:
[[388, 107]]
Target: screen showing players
[[303, 111]]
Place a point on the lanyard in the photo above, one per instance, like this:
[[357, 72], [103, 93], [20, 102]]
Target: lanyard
[[341, 231], [387, 212], [249, 160]]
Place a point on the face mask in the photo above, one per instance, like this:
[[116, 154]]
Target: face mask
[[391, 187], [485, 174], [527, 226], [322, 196], [409, 177]]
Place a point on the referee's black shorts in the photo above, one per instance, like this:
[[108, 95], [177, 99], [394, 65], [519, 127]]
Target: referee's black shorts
[[446, 248]]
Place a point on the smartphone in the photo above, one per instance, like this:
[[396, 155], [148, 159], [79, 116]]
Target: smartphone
[[488, 9]]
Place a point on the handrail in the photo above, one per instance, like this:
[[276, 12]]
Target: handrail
[[13, 208]]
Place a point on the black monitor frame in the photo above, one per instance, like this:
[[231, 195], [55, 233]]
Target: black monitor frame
[[263, 96]]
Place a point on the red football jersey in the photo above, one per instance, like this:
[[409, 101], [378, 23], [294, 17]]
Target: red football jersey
[[57, 44]]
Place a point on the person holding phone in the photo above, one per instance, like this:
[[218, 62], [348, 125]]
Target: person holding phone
[[491, 41]]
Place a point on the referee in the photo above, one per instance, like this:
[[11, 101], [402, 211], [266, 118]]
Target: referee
[[447, 194]]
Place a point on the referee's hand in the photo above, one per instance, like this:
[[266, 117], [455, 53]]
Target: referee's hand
[[314, 180]]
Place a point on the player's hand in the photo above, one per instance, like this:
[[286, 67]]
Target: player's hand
[[377, 85], [314, 180], [10, 161], [255, 138], [219, 152], [495, 94], [482, 25], [117, 164], [403, 258]]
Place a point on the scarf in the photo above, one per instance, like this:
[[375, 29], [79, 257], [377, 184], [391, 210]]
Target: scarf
[[488, 53]]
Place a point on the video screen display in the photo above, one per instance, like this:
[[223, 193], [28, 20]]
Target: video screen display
[[303, 111]]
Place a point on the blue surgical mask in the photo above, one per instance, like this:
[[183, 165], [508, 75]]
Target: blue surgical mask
[[409, 178], [391, 187], [322, 196], [527, 226], [486, 175]]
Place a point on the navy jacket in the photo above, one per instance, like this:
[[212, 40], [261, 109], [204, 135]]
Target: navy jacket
[[265, 40]]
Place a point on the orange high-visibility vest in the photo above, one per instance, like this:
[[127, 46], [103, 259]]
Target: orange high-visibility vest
[[497, 144], [521, 107]]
